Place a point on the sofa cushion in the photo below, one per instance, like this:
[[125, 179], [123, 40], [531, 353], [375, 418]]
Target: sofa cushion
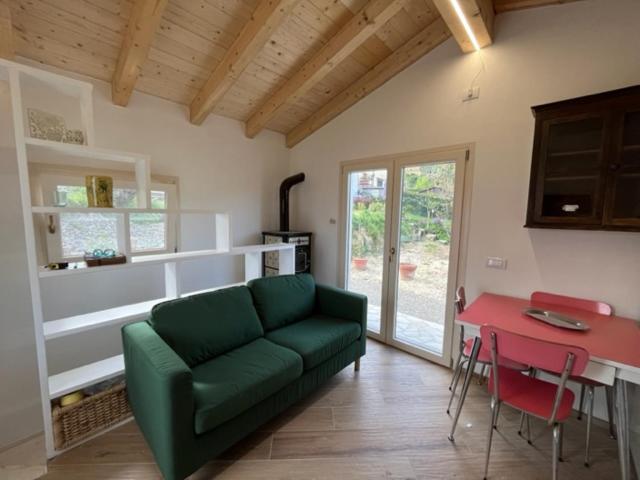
[[200, 327], [316, 338], [234, 382], [284, 299]]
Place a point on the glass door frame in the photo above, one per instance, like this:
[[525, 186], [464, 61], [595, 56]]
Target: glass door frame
[[345, 239], [462, 155]]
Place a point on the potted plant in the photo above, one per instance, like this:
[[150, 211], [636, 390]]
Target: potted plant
[[358, 252], [408, 270]]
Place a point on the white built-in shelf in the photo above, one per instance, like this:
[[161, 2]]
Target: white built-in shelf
[[81, 377], [83, 151], [89, 321], [146, 260]]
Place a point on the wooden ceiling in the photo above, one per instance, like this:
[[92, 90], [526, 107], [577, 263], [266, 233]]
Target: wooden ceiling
[[286, 65]]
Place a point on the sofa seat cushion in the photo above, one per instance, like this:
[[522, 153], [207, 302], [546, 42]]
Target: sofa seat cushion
[[229, 384], [283, 299], [317, 338]]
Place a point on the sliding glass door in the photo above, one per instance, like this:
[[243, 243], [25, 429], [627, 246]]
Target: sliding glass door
[[401, 246], [367, 238]]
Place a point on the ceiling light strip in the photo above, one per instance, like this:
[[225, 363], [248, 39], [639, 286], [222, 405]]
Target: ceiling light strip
[[465, 23]]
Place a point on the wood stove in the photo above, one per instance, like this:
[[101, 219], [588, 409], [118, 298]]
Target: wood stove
[[302, 240]]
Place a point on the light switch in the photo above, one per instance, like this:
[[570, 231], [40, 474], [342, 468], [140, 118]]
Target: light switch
[[497, 262]]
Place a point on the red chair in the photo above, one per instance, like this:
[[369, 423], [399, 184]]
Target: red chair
[[528, 394], [464, 357], [585, 383]]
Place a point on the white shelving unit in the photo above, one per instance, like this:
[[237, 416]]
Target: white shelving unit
[[54, 386]]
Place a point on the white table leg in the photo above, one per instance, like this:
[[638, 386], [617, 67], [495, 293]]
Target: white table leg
[[622, 425]]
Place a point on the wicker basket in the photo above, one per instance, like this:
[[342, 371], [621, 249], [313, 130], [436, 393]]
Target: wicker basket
[[88, 416]]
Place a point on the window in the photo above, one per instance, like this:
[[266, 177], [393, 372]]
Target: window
[[84, 232]]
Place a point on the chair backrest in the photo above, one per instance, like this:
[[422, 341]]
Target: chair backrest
[[534, 352], [564, 360], [572, 302], [461, 300]]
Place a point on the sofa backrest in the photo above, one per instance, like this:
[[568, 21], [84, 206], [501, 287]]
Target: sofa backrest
[[283, 299], [201, 327]]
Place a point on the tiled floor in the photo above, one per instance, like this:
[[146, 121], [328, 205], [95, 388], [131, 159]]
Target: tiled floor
[[386, 422]]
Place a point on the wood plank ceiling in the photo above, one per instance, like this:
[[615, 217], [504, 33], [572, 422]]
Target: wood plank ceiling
[[176, 46]]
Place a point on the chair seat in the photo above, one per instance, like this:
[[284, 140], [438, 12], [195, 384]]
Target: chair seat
[[229, 384], [531, 395], [484, 356], [316, 338]]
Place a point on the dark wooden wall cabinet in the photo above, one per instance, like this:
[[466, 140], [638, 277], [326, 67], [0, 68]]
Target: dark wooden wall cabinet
[[585, 172]]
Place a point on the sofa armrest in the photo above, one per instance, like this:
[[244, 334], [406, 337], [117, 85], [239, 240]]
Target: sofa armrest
[[340, 303], [160, 391]]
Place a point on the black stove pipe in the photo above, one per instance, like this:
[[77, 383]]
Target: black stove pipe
[[285, 186]]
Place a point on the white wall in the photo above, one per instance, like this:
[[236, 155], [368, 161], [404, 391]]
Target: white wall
[[539, 56]]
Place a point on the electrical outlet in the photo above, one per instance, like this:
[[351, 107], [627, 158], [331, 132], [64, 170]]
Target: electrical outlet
[[472, 93], [497, 262]]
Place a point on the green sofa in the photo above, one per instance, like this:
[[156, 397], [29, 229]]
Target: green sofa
[[206, 370]]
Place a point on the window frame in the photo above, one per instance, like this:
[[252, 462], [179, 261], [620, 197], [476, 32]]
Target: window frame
[[49, 183]]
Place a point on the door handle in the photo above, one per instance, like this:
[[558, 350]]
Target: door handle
[[392, 251]]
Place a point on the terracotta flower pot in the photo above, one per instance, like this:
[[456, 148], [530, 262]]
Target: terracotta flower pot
[[359, 263], [408, 271]]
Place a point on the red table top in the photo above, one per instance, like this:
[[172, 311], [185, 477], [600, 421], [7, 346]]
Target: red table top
[[610, 338]]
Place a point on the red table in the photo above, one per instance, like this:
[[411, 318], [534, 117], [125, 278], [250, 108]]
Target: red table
[[613, 344]]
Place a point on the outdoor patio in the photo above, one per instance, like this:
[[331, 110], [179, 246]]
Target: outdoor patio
[[410, 329]]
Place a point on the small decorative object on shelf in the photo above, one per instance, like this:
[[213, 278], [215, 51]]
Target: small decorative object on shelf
[[59, 199], [99, 258], [45, 126], [71, 398], [99, 191], [74, 136], [58, 266]]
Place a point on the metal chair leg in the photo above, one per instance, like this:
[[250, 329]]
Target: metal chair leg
[[554, 454], [528, 429], [522, 414], [456, 375], [465, 386], [560, 446], [610, 402], [495, 424], [582, 389], [589, 419], [456, 371], [482, 372], [494, 410]]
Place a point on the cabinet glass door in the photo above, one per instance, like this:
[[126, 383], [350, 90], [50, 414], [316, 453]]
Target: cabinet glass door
[[624, 204], [570, 185]]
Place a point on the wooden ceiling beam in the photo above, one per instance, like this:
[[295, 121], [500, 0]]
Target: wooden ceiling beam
[[479, 15], [267, 16], [143, 23], [511, 5], [6, 33], [351, 36], [414, 49]]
